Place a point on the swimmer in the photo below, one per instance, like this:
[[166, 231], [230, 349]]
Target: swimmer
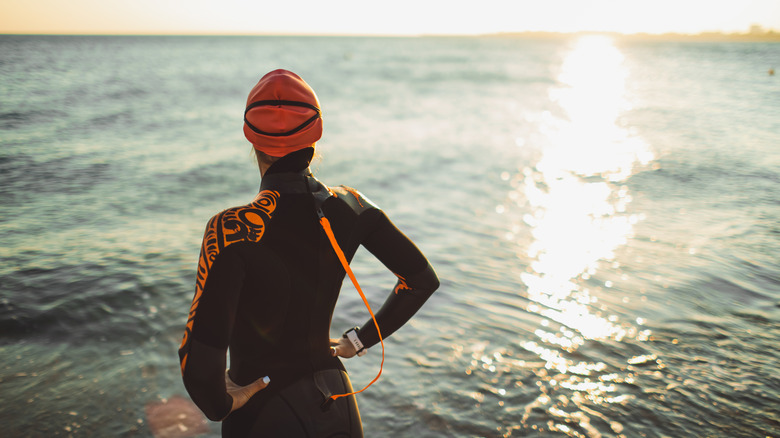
[[269, 276]]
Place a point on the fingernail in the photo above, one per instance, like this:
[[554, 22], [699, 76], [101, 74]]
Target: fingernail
[[266, 380]]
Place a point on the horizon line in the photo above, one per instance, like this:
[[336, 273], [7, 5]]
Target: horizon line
[[749, 33]]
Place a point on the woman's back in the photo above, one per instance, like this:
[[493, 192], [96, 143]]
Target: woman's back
[[269, 278]]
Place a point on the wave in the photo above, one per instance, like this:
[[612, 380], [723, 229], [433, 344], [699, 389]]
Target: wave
[[19, 118], [112, 300]]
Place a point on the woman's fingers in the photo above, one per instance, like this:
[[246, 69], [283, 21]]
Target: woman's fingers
[[260, 383], [342, 348], [242, 394]]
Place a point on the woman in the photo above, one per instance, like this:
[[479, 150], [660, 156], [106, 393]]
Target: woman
[[269, 277]]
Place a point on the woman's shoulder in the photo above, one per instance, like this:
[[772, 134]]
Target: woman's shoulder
[[357, 201], [246, 222]]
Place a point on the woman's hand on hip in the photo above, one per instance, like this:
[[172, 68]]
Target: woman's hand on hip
[[342, 348], [242, 394]]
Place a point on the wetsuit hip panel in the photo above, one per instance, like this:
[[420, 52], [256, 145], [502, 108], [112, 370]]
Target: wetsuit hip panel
[[297, 411]]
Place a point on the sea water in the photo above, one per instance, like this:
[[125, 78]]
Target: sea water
[[603, 215]]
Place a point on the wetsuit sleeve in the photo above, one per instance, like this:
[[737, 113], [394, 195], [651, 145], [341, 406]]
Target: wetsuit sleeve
[[416, 278], [204, 354]]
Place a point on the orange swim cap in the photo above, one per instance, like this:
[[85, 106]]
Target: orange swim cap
[[282, 114]]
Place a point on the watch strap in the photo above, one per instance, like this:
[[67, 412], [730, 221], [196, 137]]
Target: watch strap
[[352, 336]]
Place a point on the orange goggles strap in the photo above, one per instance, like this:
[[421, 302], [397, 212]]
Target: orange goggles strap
[[326, 226]]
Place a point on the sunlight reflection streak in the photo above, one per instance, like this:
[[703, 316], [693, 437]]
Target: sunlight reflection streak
[[578, 220], [578, 215]]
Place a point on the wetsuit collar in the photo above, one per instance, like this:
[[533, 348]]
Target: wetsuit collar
[[287, 182], [302, 182], [299, 182], [292, 162], [289, 174]]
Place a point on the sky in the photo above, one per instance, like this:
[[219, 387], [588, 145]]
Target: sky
[[396, 17]]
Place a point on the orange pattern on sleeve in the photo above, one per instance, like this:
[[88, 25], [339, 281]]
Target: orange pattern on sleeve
[[401, 285], [240, 224]]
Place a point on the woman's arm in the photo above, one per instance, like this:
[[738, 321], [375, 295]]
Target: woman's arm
[[204, 350], [416, 278]]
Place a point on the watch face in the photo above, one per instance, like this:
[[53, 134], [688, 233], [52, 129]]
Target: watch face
[[351, 334]]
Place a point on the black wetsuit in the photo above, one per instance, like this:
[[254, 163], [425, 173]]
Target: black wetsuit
[[268, 280]]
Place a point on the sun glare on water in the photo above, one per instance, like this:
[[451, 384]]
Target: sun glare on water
[[578, 217], [579, 209]]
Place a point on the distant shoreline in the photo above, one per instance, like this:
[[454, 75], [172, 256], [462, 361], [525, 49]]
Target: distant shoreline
[[769, 36]]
